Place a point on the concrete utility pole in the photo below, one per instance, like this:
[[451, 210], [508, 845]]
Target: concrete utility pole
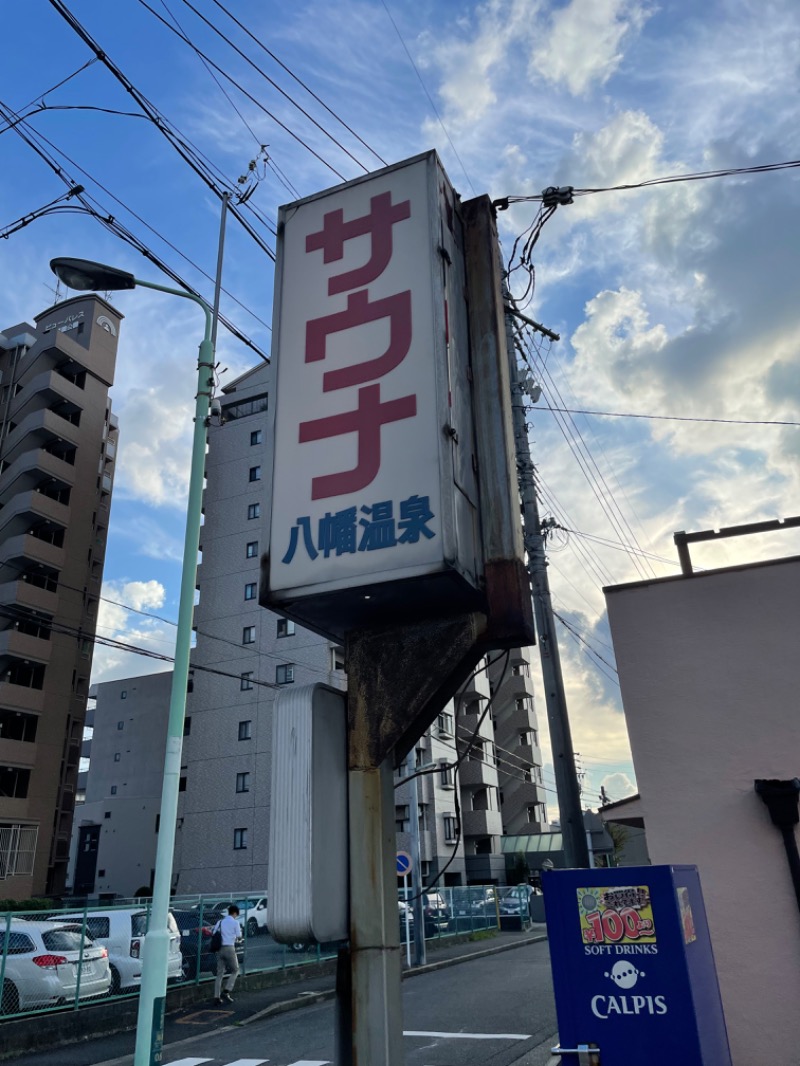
[[576, 852]]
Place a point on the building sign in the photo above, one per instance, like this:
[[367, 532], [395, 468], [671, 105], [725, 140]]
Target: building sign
[[364, 419]]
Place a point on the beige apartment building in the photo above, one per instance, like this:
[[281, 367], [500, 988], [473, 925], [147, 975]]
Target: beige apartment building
[[58, 443]]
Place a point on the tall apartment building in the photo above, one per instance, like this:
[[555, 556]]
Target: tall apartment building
[[115, 833], [498, 783], [242, 658], [57, 452]]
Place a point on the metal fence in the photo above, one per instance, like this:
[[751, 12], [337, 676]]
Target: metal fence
[[68, 958]]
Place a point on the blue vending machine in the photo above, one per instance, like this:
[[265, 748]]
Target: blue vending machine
[[633, 969]]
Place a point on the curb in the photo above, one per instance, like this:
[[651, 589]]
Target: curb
[[311, 998]]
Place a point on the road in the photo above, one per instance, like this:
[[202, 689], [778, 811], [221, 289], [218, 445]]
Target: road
[[488, 1011]]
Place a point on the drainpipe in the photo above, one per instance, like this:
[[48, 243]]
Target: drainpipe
[[781, 798]]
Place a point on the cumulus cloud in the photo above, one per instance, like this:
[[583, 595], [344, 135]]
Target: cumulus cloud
[[583, 45], [618, 786], [118, 620]]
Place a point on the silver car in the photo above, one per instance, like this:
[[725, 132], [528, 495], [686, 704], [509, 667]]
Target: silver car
[[44, 966]]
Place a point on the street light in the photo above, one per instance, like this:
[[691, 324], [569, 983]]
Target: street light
[[84, 275]]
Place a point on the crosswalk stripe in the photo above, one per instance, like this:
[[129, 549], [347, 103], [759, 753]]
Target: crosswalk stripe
[[189, 1062], [311, 1062], [248, 1062], [470, 1036]]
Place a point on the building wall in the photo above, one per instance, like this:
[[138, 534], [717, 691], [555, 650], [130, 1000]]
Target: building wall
[[57, 456], [709, 672], [123, 784], [223, 834]]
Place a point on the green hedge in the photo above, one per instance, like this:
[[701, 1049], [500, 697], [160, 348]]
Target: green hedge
[[25, 905]]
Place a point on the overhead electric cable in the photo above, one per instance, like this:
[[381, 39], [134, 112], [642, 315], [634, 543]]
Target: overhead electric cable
[[676, 418], [180, 33], [299, 81], [181, 146], [428, 95]]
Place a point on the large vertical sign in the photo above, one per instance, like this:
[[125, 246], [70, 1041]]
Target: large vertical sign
[[369, 424]]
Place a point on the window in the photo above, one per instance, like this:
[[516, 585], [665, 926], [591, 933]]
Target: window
[[182, 783], [246, 683], [14, 783], [254, 510], [245, 729], [239, 839], [187, 726], [250, 590], [113, 790], [450, 827], [15, 725], [251, 550], [401, 820], [107, 814], [447, 775], [423, 817], [243, 782], [522, 704], [255, 473], [337, 658], [120, 725], [521, 670], [249, 635], [245, 408], [255, 437], [284, 675], [285, 628], [124, 694], [117, 756], [445, 723], [533, 813], [524, 737], [476, 752]]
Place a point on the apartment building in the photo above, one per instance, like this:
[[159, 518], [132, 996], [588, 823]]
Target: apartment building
[[123, 788], [244, 655], [58, 443]]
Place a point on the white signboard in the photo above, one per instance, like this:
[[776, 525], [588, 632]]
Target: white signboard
[[363, 473]]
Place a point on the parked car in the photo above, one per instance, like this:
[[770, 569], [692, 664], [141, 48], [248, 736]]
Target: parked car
[[122, 933], [406, 913], [436, 914], [44, 962], [253, 911], [195, 929], [515, 901]]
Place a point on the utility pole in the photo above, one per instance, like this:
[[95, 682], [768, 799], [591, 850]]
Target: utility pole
[[576, 853], [420, 957]]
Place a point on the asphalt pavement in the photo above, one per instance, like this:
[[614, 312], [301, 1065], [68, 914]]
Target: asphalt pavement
[[202, 1019]]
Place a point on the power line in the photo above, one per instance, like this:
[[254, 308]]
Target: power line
[[180, 33], [182, 146], [763, 168], [299, 81], [672, 418], [430, 98]]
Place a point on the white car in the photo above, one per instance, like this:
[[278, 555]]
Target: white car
[[122, 932], [44, 965], [253, 912]]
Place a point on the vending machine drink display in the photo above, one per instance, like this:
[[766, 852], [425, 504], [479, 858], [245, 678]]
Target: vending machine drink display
[[633, 969]]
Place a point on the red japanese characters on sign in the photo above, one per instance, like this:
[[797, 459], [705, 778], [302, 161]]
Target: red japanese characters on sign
[[363, 482]]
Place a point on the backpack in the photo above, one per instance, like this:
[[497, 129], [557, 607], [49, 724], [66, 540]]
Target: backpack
[[216, 939]]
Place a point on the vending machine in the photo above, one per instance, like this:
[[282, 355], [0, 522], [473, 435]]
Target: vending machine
[[633, 969]]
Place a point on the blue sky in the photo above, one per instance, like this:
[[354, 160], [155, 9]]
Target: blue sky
[[675, 300]]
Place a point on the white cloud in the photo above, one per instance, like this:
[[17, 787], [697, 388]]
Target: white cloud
[[584, 45], [115, 622], [618, 786]]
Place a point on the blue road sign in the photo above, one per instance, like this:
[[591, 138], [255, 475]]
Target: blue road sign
[[403, 863]]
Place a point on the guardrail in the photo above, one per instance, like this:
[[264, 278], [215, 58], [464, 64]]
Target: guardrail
[[41, 972]]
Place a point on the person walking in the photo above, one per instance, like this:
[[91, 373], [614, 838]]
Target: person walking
[[227, 962]]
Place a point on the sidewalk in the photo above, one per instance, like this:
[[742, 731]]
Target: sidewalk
[[252, 1002]]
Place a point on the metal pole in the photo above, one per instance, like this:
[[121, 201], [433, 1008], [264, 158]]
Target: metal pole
[[377, 1026], [152, 995], [416, 865], [218, 281], [576, 853]]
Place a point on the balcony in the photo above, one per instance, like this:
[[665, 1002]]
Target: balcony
[[23, 646], [476, 688], [28, 595], [27, 470], [48, 387], [27, 547], [21, 698], [513, 722], [473, 774], [42, 426], [481, 823], [514, 686], [15, 517]]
